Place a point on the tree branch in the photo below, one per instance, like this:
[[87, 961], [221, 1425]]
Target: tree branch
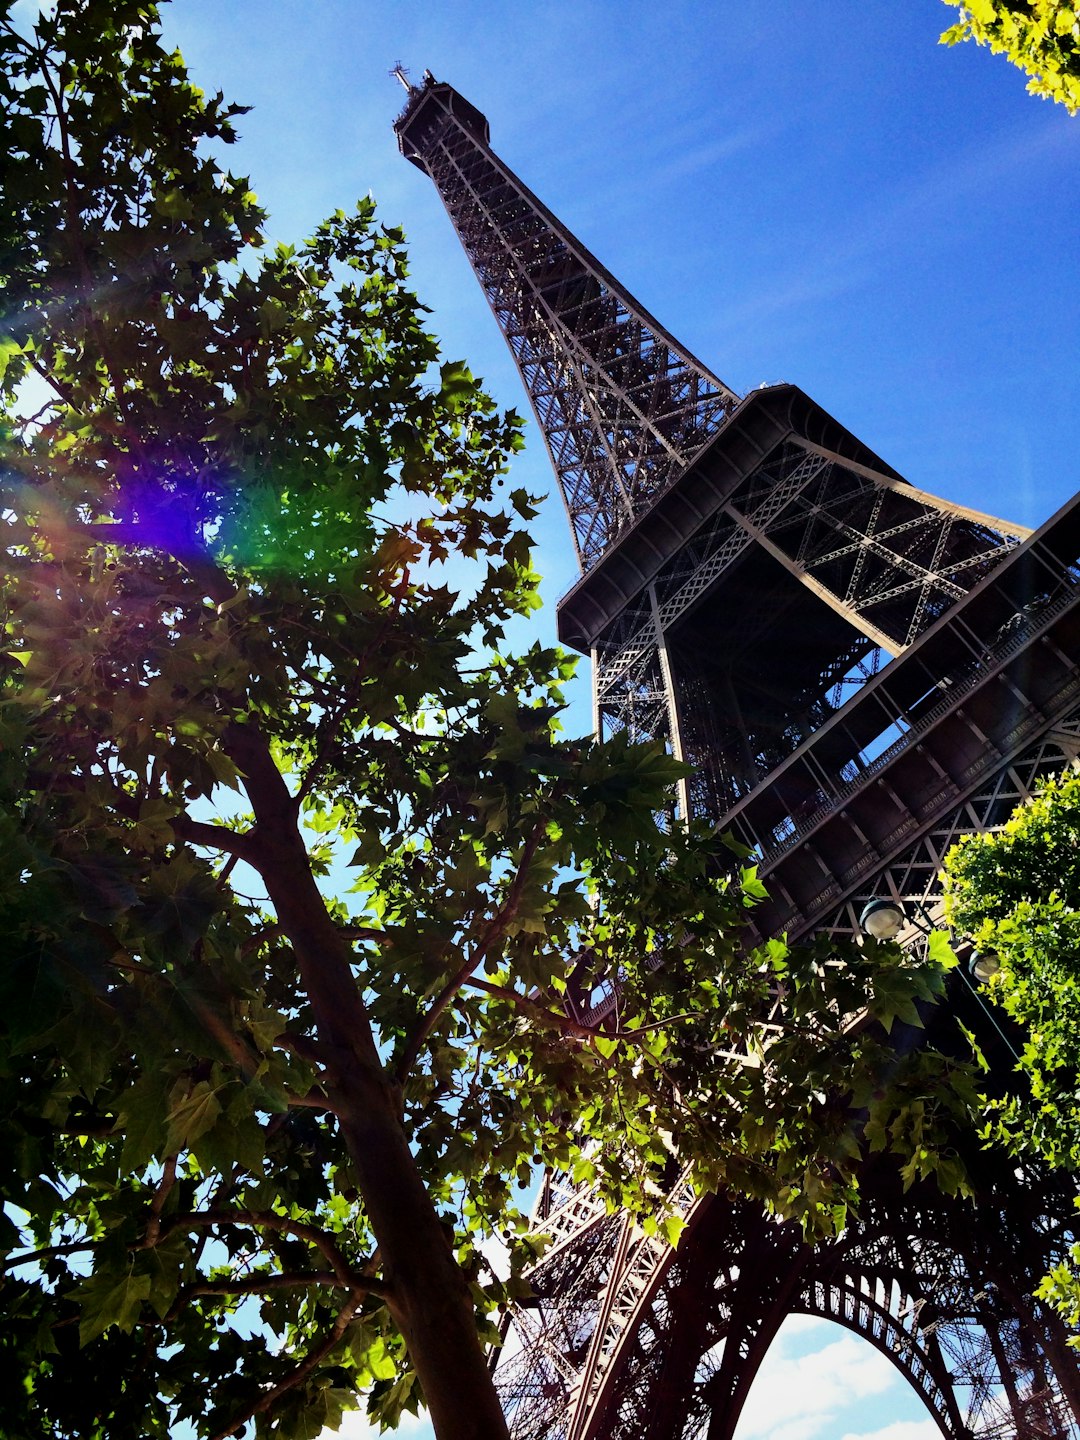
[[226, 870], [195, 832], [315, 1099], [49, 1252], [549, 1019], [257, 1284], [346, 1276], [195, 560], [364, 932], [300, 1045], [326, 738], [556, 1020], [71, 400], [157, 1204], [217, 837], [495, 931], [261, 937], [300, 1373]]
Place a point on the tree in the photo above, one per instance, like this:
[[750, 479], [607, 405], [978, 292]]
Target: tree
[[1040, 37], [1016, 892], [259, 1119]]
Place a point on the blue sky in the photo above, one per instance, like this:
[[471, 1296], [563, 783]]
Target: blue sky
[[800, 191], [803, 192]]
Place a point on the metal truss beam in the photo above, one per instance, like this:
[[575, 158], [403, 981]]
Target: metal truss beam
[[937, 1294], [622, 406]]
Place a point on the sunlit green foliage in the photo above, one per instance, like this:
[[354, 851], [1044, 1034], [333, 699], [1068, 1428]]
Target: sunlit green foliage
[[1041, 37], [1017, 894], [296, 866]]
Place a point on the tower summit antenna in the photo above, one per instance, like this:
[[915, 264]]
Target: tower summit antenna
[[400, 74]]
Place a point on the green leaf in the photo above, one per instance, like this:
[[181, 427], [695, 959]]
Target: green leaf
[[940, 950], [192, 1114], [9, 348], [673, 1226], [104, 1300], [379, 1361], [144, 1119]]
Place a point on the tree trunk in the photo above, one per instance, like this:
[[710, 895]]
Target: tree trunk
[[430, 1300]]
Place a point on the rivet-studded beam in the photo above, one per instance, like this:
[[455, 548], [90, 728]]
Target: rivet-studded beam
[[622, 406]]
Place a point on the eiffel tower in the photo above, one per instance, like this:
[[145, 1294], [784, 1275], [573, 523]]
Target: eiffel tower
[[860, 673]]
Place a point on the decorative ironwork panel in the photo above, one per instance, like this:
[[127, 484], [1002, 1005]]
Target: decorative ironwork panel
[[913, 876], [947, 1301], [888, 559]]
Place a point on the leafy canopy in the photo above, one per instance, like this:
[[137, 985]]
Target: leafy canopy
[[1017, 893], [1040, 37], [302, 888]]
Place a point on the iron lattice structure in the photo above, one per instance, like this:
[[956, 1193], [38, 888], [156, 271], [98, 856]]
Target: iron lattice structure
[[860, 673], [621, 405]]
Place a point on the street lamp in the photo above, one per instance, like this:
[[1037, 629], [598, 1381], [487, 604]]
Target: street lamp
[[883, 919], [983, 967]]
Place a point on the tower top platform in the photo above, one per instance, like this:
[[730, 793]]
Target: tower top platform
[[621, 404], [427, 105]]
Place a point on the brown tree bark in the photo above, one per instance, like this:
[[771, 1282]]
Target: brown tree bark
[[428, 1295]]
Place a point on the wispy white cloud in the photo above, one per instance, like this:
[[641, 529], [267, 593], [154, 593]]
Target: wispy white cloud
[[795, 1396], [911, 214], [689, 160], [672, 157], [814, 1381], [356, 1426], [899, 1430]]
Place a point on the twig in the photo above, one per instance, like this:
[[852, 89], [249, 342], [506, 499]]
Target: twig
[[495, 930], [269, 1220], [301, 1372]]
